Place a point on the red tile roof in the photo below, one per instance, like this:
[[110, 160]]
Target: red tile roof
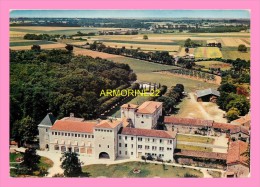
[[203, 154], [235, 152], [224, 126], [148, 133], [239, 129], [108, 124], [187, 121], [244, 120], [73, 126], [148, 107], [132, 106]]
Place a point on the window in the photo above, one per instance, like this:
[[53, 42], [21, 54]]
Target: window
[[62, 134], [68, 134], [132, 145], [147, 147], [59, 133], [46, 130], [139, 146], [119, 144], [76, 135], [169, 141], [125, 145], [63, 148], [76, 149], [92, 136], [161, 141], [65, 134], [132, 138], [82, 135], [161, 148], [99, 145], [55, 133], [125, 137], [169, 149], [107, 146], [119, 137], [79, 135], [52, 133], [132, 153], [125, 152], [86, 136], [101, 130], [120, 152], [56, 147], [110, 130], [154, 148], [140, 139], [142, 121], [153, 140]]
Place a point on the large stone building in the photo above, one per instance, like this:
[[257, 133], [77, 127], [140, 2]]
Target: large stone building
[[131, 136]]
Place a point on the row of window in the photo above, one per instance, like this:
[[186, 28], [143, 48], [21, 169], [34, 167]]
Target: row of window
[[103, 130], [72, 134], [99, 145], [146, 139], [63, 149], [120, 153]]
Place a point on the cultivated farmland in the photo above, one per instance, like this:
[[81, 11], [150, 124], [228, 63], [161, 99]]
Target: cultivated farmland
[[207, 52]]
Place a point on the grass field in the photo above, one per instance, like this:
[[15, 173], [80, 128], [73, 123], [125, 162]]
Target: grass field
[[235, 41], [194, 148], [236, 54], [146, 170], [198, 139], [214, 64], [207, 52]]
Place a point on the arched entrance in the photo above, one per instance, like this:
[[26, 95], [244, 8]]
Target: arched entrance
[[104, 155]]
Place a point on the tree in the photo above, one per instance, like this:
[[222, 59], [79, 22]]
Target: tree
[[233, 114], [242, 48], [188, 43], [227, 87], [24, 130], [31, 159], [187, 50], [71, 164], [145, 37], [36, 48], [69, 48]]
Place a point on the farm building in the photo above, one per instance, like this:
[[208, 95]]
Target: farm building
[[207, 95], [237, 165]]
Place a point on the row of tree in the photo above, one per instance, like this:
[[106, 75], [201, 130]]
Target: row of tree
[[195, 73]]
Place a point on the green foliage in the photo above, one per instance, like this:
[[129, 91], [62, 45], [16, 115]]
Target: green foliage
[[145, 37], [24, 130], [233, 114], [242, 48], [189, 43], [69, 48], [71, 164], [31, 159], [227, 87], [58, 81], [36, 48]]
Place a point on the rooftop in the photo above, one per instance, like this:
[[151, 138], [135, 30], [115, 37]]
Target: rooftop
[[48, 120], [148, 133], [109, 124], [224, 126], [188, 121], [74, 126], [242, 120], [201, 93], [202, 154], [235, 151], [239, 129], [132, 106], [149, 107]]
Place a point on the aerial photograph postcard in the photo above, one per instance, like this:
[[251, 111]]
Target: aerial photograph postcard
[[130, 93]]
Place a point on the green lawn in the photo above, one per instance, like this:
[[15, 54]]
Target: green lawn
[[198, 139], [193, 148], [44, 163], [147, 170]]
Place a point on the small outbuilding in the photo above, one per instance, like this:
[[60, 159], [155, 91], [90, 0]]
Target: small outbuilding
[[207, 95]]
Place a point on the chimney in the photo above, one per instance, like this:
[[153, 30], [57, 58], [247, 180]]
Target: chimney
[[71, 115]]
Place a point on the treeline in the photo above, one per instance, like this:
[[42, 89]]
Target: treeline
[[219, 29], [41, 37], [171, 98], [57, 81], [162, 57]]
